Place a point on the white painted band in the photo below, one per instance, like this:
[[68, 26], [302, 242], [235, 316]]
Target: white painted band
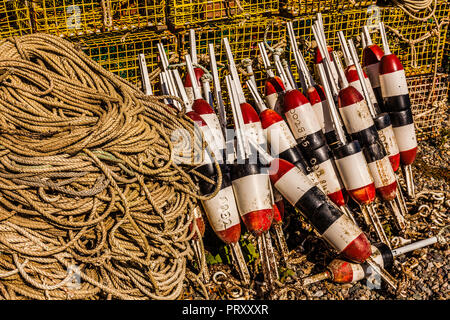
[[293, 185], [354, 171], [388, 140], [356, 117], [280, 138], [252, 193], [255, 131], [358, 272], [326, 175], [221, 210], [302, 121], [393, 84], [382, 172], [318, 110], [406, 137], [213, 123], [341, 233]]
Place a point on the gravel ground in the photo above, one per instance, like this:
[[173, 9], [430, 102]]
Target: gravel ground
[[422, 274]]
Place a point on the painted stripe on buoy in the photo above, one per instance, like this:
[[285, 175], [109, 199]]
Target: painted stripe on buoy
[[382, 172], [221, 210], [341, 233], [397, 103], [293, 185], [280, 138], [356, 117], [393, 84], [406, 137], [354, 171], [372, 71], [260, 196]]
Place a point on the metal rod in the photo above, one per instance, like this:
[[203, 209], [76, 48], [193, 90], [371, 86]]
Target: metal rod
[[265, 264], [282, 245], [332, 107], [362, 79], [367, 36], [386, 276], [201, 261], [340, 70], [349, 213], [146, 85], [347, 56], [240, 148], [217, 89], [270, 255], [265, 59], [195, 87], [238, 259], [363, 40], [375, 221], [193, 46], [384, 39], [409, 180], [398, 217], [283, 76], [181, 90], [233, 70], [414, 246], [254, 92]]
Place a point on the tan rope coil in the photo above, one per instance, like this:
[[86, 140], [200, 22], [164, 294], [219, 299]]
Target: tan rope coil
[[90, 180]]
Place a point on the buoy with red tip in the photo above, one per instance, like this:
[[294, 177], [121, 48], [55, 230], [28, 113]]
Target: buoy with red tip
[[353, 168], [394, 90], [274, 87], [198, 71], [331, 135], [372, 55], [352, 75], [251, 185], [358, 119], [313, 91], [341, 271], [333, 226], [388, 193]]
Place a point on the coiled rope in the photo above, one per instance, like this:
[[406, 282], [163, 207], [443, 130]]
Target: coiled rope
[[91, 180]]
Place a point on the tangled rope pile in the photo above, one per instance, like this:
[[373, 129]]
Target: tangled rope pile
[[90, 185]]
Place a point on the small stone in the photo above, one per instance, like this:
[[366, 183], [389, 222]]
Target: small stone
[[318, 294]]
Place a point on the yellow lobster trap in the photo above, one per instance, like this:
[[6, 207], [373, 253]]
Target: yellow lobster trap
[[243, 37], [429, 103], [118, 53], [188, 13], [420, 47], [14, 18], [295, 8], [80, 17]]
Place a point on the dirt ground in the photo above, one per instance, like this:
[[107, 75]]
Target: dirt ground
[[422, 274]]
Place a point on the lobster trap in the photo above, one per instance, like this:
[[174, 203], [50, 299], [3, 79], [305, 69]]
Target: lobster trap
[[429, 103], [295, 8], [243, 37], [118, 53], [189, 13], [14, 18], [81, 17]]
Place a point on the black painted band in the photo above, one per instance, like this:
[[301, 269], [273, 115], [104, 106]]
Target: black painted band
[[347, 150], [397, 103], [383, 120], [401, 118]]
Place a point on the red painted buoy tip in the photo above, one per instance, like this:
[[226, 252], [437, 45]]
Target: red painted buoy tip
[[388, 192], [294, 99], [194, 116], [274, 85], [249, 114], [269, 117], [258, 222], [201, 106], [349, 96], [372, 54], [395, 161], [364, 195], [341, 271], [187, 79], [407, 157], [359, 249], [337, 198], [390, 63], [230, 235], [279, 168]]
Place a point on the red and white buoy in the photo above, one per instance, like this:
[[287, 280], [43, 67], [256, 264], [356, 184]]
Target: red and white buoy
[[198, 71], [372, 55], [252, 189], [335, 227], [382, 121], [394, 90]]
